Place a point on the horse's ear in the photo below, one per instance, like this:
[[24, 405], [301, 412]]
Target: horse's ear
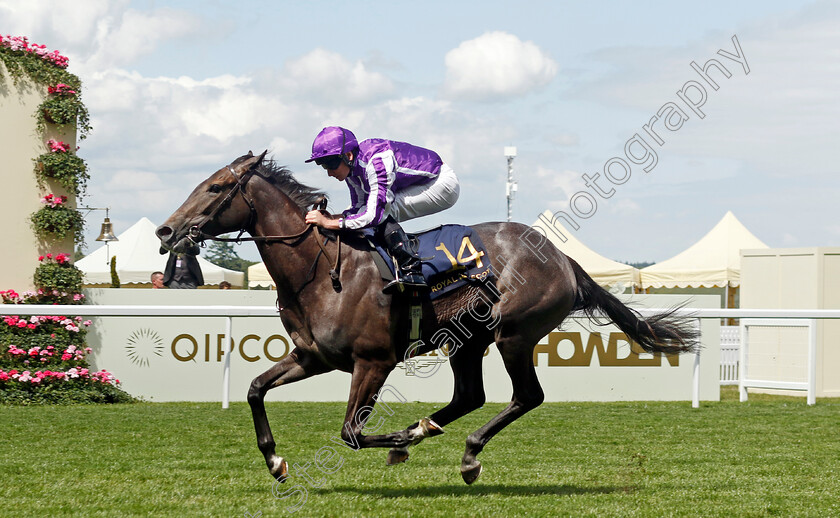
[[251, 162], [255, 162]]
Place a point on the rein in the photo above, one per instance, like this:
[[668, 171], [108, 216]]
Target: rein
[[197, 236]]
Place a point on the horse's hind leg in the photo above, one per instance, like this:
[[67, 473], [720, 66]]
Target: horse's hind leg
[[467, 396], [527, 395], [294, 367]]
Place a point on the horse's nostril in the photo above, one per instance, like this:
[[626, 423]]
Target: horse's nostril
[[163, 232]]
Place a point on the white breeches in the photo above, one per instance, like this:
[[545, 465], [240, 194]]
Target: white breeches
[[422, 200]]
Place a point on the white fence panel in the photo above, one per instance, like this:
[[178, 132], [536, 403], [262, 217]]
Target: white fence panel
[[779, 354], [730, 344]]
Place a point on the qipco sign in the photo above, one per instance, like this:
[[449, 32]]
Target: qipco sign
[[210, 348]]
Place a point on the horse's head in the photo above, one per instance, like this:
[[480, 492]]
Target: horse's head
[[216, 206]]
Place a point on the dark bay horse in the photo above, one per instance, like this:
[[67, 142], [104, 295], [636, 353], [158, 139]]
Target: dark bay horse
[[358, 329]]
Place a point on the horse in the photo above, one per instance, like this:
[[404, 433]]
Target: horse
[[345, 322]]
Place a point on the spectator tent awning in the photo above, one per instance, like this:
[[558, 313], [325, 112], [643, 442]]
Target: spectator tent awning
[[258, 276], [713, 261]]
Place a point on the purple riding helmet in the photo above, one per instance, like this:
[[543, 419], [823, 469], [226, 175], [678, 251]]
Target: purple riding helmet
[[331, 141]]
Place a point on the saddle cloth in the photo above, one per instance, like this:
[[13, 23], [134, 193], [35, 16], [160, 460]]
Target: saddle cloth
[[452, 255]]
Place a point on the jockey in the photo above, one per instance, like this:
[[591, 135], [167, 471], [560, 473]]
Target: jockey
[[389, 182]]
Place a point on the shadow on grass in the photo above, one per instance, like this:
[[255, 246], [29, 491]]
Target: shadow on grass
[[478, 490]]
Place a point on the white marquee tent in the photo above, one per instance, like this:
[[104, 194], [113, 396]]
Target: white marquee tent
[[605, 272], [137, 253], [258, 276], [713, 261]]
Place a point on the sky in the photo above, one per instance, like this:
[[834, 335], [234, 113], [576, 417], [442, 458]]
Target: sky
[[613, 125]]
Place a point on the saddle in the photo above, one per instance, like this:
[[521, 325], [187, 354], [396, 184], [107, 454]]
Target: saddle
[[451, 256]]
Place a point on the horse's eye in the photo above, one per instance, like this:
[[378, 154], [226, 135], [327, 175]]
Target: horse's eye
[[215, 188]]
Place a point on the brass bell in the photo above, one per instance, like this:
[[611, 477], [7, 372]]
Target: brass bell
[[107, 234]]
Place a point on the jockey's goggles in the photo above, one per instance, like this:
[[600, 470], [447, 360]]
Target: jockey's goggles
[[329, 162]]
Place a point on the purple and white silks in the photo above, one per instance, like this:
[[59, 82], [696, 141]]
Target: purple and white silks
[[386, 168]]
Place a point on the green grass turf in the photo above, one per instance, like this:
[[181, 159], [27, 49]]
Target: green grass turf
[[772, 456]]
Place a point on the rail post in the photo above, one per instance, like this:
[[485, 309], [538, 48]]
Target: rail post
[[226, 371]]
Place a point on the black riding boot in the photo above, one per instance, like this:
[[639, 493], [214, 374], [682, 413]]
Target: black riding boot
[[408, 262]]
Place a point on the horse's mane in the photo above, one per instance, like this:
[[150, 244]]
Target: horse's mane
[[279, 176]]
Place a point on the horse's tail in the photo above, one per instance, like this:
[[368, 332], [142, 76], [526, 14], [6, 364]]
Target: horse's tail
[[665, 333]]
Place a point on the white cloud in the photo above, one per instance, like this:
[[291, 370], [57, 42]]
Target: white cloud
[[121, 41], [280, 147], [38, 19], [228, 114], [496, 65], [624, 206], [126, 189], [129, 180], [331, 78], [223, 81], [568, 182], [96, 34]]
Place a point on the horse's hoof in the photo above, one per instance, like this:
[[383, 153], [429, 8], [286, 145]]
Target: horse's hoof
[[397, 456], [471, 474], [431, 428], [278, 468]]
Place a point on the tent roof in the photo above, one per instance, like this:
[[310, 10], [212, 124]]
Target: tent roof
[[258, 276], [137, 257], [604, 271], [713, 261]]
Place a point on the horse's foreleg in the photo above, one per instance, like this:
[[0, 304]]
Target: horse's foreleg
[[368, 379], [527, 395], [467, 396], [293, 367]]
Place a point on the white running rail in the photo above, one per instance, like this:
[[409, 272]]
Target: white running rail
[[269, 311]]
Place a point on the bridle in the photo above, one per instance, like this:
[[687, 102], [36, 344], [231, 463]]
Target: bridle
[[198, 236], [195, 233]]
